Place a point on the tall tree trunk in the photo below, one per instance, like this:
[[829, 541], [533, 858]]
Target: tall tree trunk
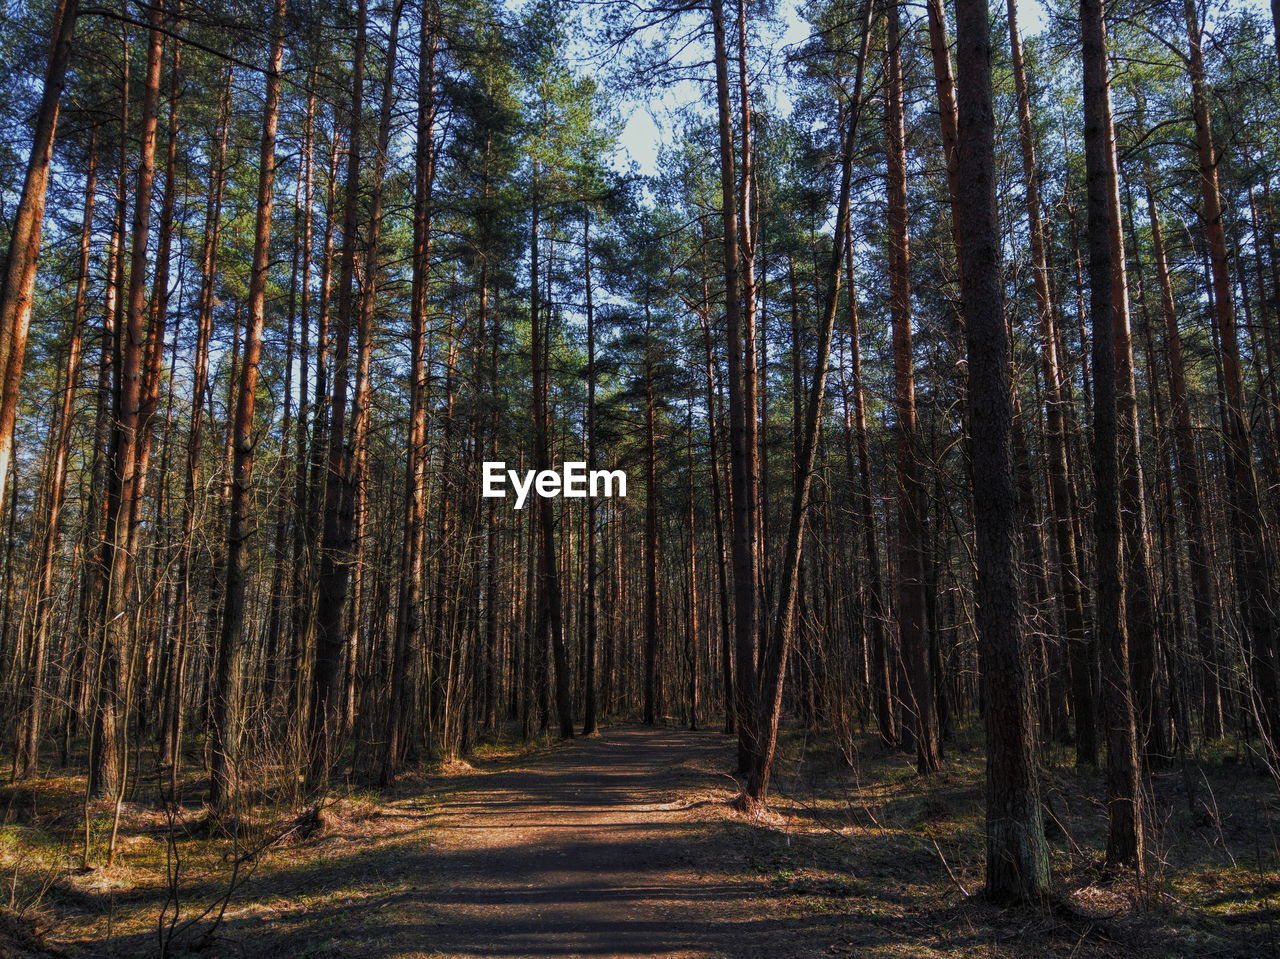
[[913, 636], [360, 411], [1060, 501], [227, 693], [722, 559], [108, 758], [773, 662], [590, 721], [171, 727], [1189, 487], [650, 532], [1017, 855], [17, 287], [1124, 798], [944, 87], [550, 621], [409, 614], [1255, 584], [742, 416], [334, 578], [159, 309], [692, 626], [877, 610], [42, 579]]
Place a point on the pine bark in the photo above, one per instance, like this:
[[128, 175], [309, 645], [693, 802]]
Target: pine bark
[[1124, 798], [1080, 652], [334, 579], [1017, 855], [227, 717], [17, 287], [742, 414], [42, 577], [912, 633], [409, 616], [115, 625], [1255, 584], [550, 620]]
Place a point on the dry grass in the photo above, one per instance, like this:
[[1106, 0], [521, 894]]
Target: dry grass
[[178, 871], [901, 858]]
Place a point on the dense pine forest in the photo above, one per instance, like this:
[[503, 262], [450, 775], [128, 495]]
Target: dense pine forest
[[930, 366]]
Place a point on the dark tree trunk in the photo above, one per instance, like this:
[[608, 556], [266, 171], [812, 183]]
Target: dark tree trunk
[[1017, 855], [1124, 798], [334, 580], [742, 462], [912, 633], [1080, 651], [409, 616], [1255, 584]]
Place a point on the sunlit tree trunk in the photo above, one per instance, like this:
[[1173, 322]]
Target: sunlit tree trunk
[[110, 712], [42, 576], [227, 693], [17, 287]]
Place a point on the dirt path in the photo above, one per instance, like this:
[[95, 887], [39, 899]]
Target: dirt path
[[599, 848], [616, 846]]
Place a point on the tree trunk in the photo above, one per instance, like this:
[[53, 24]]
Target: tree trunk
[[1060, 502], [550, 621], [42, 579], [18, 285], [742, 461], [334, 578], [650, 535], [1017, 855], [913, 636], [590, 722], [409, 615], [773, 663], [108, 757], [171, 727], [877, 610], [1255, 584], [227, 693], [1124, 798], [1189, 488]]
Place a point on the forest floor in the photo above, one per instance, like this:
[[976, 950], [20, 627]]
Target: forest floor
[[627, 845]]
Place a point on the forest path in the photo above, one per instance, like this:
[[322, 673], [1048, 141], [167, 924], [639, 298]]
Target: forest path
[[602, 848]]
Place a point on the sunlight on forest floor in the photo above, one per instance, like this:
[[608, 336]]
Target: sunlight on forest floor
[[857, 858]]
